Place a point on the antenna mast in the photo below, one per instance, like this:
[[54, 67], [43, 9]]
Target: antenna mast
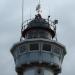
[[22, 18], [22, 12], [39, 1]]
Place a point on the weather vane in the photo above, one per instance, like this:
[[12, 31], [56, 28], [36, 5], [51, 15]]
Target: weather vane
[[38, 8]]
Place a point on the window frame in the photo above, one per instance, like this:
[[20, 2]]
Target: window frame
[[38, 44], [48, 44]]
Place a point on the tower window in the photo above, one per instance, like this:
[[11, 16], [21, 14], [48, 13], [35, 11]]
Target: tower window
[[47, 47], [42, 34], [34, 47], [30, 35], [22, 48], [56, 50]]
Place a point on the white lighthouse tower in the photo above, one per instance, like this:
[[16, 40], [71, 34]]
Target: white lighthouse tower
[[38, 53]]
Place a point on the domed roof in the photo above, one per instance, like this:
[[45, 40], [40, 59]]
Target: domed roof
[[38, 23]]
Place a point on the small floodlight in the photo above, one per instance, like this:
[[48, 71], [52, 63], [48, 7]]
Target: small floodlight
[[55, 22]]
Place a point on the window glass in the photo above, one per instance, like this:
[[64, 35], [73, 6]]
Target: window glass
[[34, 47], [30, 34], [42, 34], [22, 48], [56, 50], [35, 34], [46, 47]]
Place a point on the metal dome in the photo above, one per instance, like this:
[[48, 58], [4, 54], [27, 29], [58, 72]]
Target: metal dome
[[38, 23]]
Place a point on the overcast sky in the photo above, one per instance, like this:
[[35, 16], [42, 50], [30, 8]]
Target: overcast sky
[[10, 25]]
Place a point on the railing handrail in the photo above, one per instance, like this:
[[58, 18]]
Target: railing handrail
[[51, 25]]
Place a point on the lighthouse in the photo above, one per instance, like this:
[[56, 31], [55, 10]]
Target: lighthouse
[[38, 52]]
